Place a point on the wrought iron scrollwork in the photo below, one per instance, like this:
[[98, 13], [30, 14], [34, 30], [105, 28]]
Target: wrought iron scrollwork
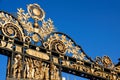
[[63, 44], [105, 61], [10, 26]]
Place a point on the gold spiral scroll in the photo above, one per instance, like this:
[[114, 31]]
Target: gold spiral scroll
[[58, 46], [10, 26], [11, 30]]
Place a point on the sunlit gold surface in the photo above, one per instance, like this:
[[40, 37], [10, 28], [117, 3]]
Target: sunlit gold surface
[[36, 11], [10, 31], [37, 54], [35, 37]]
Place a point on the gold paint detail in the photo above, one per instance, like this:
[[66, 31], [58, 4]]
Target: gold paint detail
[[55, 60], [18, 48], [27, 39], [62, 44], [36, 12], [117, 68], [37, 54], [106, 61], [35, 38], [9, 46], [10, 26], [43, 29], [10, 31], [37, 48], [3, 44], [17, 66]]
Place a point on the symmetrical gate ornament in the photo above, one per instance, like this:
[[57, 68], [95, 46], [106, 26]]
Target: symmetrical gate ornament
[[37, 52]]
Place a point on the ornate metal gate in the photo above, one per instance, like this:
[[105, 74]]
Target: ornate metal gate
[[37, 52]]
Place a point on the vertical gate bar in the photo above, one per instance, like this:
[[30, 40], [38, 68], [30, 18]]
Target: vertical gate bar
[[11, 59], [8, 68], [50, 66], [60, 67], [11, 63], [23, 59]]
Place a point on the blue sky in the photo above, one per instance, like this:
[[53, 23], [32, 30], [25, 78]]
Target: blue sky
[[93, 24]]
